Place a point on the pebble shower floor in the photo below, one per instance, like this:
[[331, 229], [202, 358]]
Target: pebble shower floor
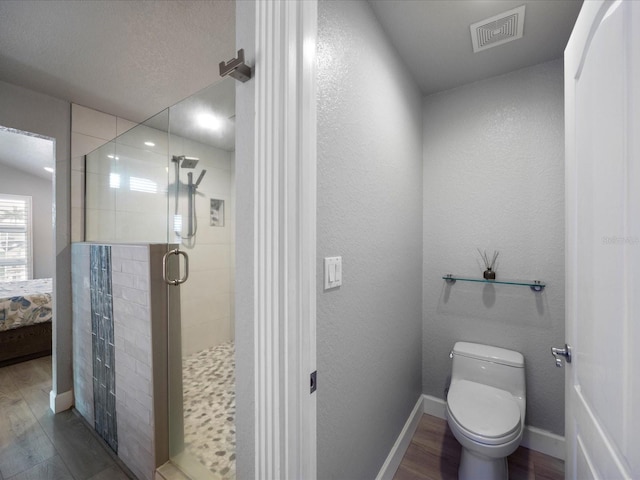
[[210, 408]]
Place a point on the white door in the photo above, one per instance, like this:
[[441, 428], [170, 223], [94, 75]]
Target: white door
[[602, 88]]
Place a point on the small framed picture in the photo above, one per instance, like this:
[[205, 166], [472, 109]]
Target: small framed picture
[[217, 212]]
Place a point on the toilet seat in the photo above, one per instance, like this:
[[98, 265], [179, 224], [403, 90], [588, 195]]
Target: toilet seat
[[484, 414]]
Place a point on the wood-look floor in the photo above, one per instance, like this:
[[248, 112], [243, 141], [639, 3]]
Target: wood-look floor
[[35, 444], [434, 454]]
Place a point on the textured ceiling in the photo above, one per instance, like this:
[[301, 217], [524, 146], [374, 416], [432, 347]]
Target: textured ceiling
[[134, 58], [127, 58], [433, 38]]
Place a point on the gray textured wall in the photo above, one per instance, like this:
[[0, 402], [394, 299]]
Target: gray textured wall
[[494, 179], [18, 182], [369, 212], [38, 113]]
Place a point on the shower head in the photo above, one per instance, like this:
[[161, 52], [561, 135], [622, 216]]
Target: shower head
[[200, 177], [187, 162]]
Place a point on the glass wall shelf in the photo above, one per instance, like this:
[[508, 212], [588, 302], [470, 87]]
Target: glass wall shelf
[[535, 285]]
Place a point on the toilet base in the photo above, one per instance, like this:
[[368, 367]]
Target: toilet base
[[479, 467]]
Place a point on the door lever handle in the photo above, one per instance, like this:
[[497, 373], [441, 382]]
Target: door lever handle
[[561, 352]]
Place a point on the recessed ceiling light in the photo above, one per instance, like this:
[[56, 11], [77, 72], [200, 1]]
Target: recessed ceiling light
[[115, 157], [49, 169], [150, 144], [209, 121]]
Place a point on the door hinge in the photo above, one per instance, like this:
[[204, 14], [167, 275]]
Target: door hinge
[[314, 384]]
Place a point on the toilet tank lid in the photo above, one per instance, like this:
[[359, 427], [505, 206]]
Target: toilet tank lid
[[489, 353]]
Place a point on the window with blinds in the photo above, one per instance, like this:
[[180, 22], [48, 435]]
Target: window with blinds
[[15, 238]]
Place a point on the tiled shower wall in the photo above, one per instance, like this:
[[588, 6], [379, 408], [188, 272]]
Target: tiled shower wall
[[123, 216], [207, 298], [126, 188], [89, 130], [140, 369], [103, 348]]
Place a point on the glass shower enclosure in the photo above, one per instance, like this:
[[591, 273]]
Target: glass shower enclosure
[[171, 180]]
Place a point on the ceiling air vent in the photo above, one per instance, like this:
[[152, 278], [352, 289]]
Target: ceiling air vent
[[499, 29]]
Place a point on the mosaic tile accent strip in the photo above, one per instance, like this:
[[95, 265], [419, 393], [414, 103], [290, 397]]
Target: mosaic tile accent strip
[[103, 350], [210, 408]]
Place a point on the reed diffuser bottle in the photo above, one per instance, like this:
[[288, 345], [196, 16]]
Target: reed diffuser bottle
[[489, 273]]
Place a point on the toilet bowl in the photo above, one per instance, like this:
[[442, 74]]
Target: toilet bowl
[[485, 408]]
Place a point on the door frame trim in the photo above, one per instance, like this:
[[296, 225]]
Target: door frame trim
[[284, 226]]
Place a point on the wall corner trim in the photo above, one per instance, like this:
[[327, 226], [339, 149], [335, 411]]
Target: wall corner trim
[[533, 438], [59, 402], [399, 448]]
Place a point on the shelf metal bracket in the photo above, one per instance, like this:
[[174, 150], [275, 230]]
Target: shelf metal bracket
[[538, 287], [236, 68]]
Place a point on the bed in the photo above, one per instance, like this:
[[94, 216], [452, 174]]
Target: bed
[[26, 310]]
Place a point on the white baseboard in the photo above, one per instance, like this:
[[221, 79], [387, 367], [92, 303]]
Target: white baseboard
[[533, 438], [61, 401], [435, 406], [543, 441], [399, 448]]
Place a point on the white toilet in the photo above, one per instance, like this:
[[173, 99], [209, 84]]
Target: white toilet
[[485, 408]]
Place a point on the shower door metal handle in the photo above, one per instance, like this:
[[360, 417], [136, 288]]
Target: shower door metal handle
[[165, 262]]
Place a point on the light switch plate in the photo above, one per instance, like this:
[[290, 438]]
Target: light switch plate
[[332, 272]]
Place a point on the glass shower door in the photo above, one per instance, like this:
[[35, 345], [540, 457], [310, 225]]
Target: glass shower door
[[171, 181], [201, 221]]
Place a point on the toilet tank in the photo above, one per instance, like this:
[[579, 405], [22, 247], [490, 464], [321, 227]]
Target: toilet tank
[[493, 366]]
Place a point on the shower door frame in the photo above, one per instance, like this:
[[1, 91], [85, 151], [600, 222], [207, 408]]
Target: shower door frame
[[276, 238]]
